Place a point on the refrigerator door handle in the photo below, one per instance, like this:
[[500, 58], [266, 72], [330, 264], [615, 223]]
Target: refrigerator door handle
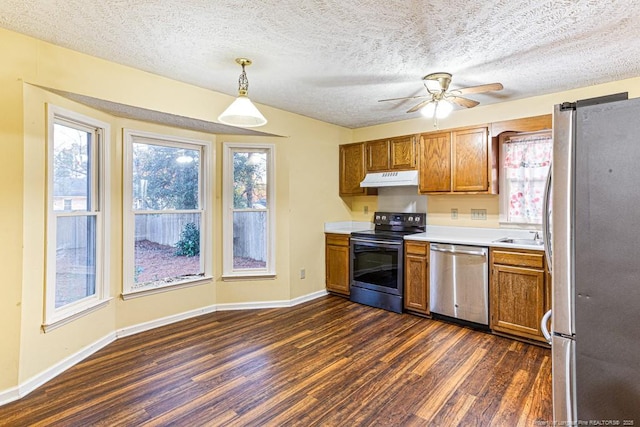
[[546, 230], [543, 326]]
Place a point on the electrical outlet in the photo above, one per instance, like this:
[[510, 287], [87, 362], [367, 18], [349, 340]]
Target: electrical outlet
[[454, 213], [303, 273], [479, 214], [366, 210]]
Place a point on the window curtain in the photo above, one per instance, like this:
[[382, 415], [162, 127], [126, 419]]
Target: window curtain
[[526, 164]]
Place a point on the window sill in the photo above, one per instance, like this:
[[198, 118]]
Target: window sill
[[236, 277], [80, 312], [161, 289]]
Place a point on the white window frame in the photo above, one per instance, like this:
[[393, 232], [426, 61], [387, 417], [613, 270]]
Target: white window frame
[[128, 218], [269, 271], [503, 199], [100, 208]]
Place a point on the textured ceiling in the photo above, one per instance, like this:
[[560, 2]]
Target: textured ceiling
[[333, 59]]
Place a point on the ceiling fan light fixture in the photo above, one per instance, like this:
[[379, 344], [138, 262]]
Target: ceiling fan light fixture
[[437, 109], [242, 112]]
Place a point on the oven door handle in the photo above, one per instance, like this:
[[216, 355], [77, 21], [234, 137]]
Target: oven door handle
[[376, 242]]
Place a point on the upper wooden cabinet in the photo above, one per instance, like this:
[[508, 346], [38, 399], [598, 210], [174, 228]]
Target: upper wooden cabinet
[[403, 153], [460, 161], [469, 163], [377, 155], [525, 124], [352, 170], [391, 154], [435, 162]]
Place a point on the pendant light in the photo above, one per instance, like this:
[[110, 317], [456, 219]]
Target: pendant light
[[242, 112]]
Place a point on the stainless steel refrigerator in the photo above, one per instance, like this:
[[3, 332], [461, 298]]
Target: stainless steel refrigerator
[[593, 245]]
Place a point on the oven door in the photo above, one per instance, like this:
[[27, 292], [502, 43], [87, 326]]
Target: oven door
[[377, 265]]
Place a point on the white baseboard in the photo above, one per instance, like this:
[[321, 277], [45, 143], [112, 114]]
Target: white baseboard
[[15, 393], [271, 304], [36, 381]]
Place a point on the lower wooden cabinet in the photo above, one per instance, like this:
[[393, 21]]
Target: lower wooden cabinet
[[416, 277], [337, 263], [519, 294]]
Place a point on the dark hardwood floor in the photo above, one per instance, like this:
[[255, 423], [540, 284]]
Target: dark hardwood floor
[[328, 362]]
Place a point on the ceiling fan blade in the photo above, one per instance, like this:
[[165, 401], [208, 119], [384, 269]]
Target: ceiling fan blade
[[406, 97], [463, 102], [479, 89], [419, 106]]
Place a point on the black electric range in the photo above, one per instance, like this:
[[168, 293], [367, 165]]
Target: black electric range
[[377, 259]]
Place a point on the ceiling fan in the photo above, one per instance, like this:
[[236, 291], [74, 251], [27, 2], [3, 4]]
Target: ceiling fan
[[440, 99]]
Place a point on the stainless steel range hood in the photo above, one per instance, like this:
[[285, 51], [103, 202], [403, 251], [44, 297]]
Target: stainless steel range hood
[[390, 179]]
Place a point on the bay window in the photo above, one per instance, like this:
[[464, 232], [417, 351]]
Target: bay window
[[166, 217], [249, 214], [77, 203]]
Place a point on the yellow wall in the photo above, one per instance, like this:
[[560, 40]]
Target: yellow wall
[[439, 207], [11, 206], [306, 197]]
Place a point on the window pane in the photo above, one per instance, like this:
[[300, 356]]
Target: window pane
[[249, 180], [167, 249], [71, 182], [249, 240], [75, 259], [165, 178]]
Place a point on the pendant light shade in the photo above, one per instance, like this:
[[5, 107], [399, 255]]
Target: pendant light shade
[[242, 112]]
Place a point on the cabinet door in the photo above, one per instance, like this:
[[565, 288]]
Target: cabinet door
[[416, 277], [435, 163], [403, 155], [351, 169], [470, 160], [517, 301], [337, 264], [377, 155]]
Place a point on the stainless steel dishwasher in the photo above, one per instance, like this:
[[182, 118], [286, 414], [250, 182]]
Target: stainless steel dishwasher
[[459, 282]]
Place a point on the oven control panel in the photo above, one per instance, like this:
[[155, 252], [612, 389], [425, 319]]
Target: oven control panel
[[401, 219]]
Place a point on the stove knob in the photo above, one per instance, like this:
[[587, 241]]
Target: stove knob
[[384, 217], [411, 218]]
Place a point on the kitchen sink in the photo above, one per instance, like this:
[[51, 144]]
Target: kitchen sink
[[513, 241]]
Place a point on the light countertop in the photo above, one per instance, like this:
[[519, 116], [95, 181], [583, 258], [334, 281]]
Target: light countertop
[[474, 236], [347, 227], [452, 235]]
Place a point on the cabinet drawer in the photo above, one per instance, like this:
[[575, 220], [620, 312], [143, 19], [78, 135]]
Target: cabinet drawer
[[518, 259], [416, 248], [337, 239]]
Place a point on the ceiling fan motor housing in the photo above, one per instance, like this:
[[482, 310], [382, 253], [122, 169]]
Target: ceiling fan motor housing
[[443, 79]]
